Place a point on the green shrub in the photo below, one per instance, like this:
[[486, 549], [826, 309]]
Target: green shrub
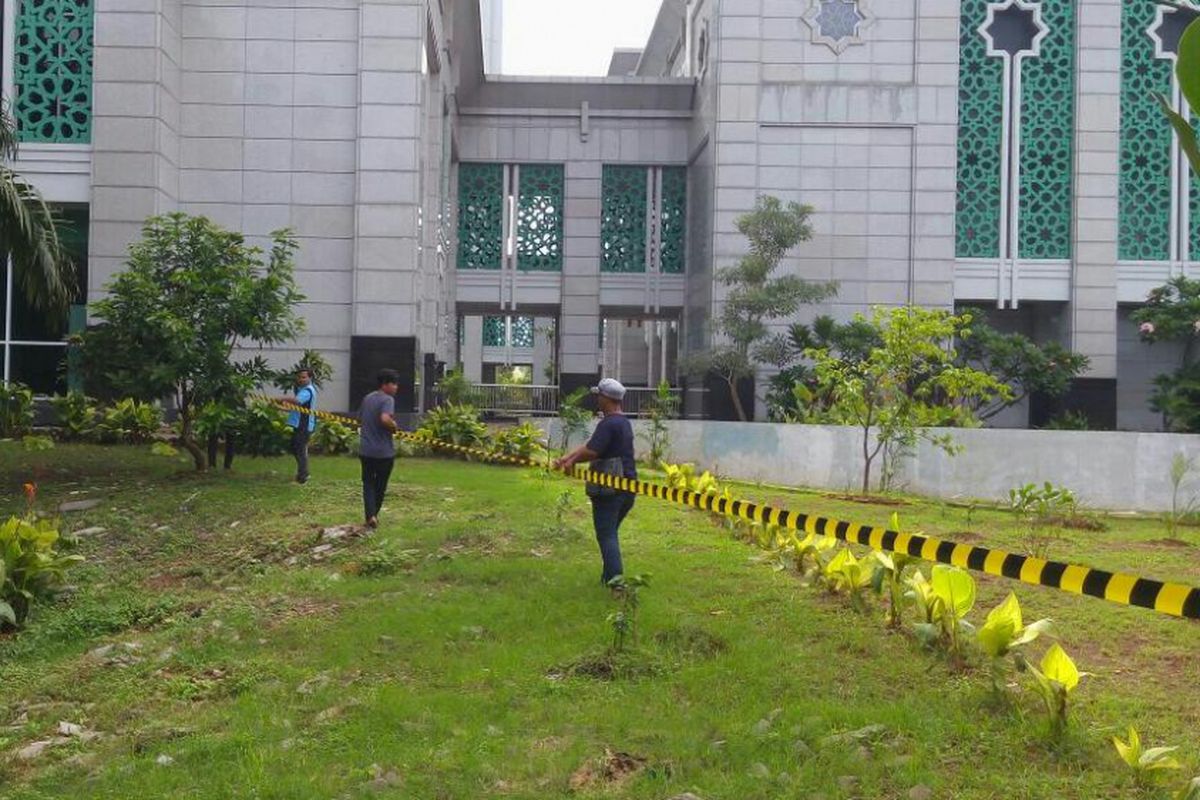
[[215, 419], [456, 424], [30, 567], [262, 430], [75, 415], [334, 438], [16, 410], [524, 441], [129, 422], [37, 444]]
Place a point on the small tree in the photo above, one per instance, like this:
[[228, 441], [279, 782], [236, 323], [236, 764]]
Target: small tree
[[191, 295], [661, 407], [756, 298], [908, 383], [1021, 364], [1172, 314], [573, 416]]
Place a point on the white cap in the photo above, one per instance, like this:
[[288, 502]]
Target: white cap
[[610, 388]]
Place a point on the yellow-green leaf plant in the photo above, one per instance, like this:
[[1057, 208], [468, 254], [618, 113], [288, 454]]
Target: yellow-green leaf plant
[[942, 604], [1187, 72], [889, 572], [811, 548], [1055, 682], [1146, 764], [1191, 791], [1004, 633], [845, 573]]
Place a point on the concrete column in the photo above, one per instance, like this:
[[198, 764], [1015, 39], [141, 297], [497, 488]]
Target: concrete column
[[135, 127], [1093, 316], [579, 324], [472, 349]]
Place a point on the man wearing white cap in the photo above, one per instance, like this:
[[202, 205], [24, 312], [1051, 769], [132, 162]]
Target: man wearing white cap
[[611, 451]]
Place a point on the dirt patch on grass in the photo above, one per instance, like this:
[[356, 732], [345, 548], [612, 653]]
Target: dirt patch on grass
[[612, 769], [475, 544], [1170, 543], [868, 499], [1078, 523], [964, 537], [610, 666]]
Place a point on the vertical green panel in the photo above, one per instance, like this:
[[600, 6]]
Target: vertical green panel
[[494, 333], [540, 218], [53, 71], [1047, 131], [673, 220], [522, 332], [480, 216], [623, 219], [980, 125], [1145, 193]]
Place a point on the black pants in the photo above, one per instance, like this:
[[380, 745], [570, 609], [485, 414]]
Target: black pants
[[300, 437], [375, 475], [213, 447]]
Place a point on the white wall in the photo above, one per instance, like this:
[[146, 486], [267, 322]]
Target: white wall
[[1115, 471]]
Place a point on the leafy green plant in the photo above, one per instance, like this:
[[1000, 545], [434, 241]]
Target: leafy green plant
[[1171, 313], [942, 604], [1191, 791], [456, 389], [1054, 683], [191, 300], [1181, 467], [1041, 508], [573, 416], [523, 441], [129, 421], [313, 361], [456, 424], [812, 548], [663, 406], [755, 297], [30, 566], [1187, 71], [1004, 633], [624, 620], [1069, 421], [37, 444], [262, 430], [907, 385], [382, 561], [333, 438], [889, 574], [16, 410], [1147, 764], [75, 413], [163, 449], [845, 574]]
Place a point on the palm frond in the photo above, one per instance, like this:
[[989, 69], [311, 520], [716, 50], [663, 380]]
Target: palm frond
[[29, 229]]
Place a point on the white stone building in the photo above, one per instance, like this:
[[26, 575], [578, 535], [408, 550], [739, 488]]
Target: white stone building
[[999, 155]]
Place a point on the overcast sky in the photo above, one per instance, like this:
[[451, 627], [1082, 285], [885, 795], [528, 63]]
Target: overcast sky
[[572, 37]]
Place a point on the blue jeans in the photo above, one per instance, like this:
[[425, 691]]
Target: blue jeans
[[607, 515]]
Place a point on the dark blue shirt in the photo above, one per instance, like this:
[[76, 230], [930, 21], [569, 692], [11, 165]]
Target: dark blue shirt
[[614, 439]]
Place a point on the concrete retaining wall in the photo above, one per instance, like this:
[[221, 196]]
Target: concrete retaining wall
[[1113, 471]]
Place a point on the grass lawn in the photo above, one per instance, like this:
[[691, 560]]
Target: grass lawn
[[222, 651]]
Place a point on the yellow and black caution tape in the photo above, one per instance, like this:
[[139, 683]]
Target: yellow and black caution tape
[[1168, 598]]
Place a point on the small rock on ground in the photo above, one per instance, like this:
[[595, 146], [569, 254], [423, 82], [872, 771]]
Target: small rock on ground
[[920, 792], [94, 531], [32, 751], [78, 505]]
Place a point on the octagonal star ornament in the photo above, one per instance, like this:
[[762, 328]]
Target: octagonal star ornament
[[1167, 29], [1014, 29], [837, 24]]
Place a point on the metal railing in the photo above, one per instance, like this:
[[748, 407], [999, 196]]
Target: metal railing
[[499, 399], [638, 400]]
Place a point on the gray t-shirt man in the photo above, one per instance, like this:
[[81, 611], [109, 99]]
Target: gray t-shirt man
[[376, 439]]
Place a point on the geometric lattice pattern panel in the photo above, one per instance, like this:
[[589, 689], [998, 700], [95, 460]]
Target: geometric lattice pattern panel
[[540, 218], [522, 332], [1145, 187], [672, 220], [623, 219], [480, 215], [1047, 131], [980, 126], [495, 332], [52, 69]]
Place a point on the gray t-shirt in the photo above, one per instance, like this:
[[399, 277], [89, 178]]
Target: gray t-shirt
[[375, 439]]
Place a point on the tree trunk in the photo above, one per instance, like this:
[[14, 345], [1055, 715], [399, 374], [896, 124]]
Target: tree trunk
[[187, 440], [737, 399]]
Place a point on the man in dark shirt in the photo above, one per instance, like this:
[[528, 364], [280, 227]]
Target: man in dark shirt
[[611, 447], [377, 447]]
